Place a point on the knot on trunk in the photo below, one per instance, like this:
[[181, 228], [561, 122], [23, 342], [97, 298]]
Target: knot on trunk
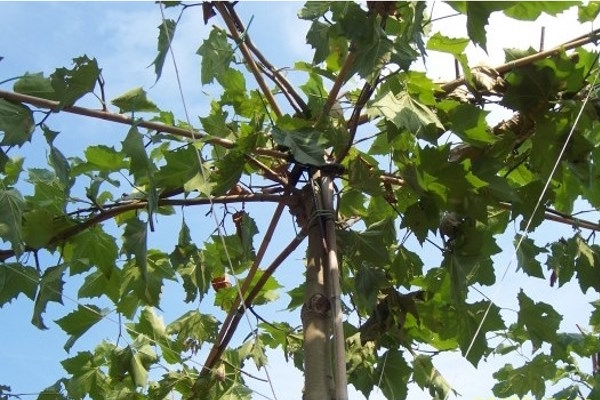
[[317, 306]]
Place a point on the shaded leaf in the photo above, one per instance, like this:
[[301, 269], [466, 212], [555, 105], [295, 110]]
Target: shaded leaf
[[216, 54], [394, 373], [135, 244], [72, 84], [16, 122], [540, 320], [306, 148], [16, 279], [165, 36], [50, 290], [92, 247], [11, 214]]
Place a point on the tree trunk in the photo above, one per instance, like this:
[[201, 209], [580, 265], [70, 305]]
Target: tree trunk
[[318, 382]]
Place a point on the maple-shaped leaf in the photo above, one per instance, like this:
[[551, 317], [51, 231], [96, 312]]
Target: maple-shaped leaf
[[16, 279], [394, 373], [92, 247], [80, 321], [531, 377], [71, 84], [539, 319], [216, 53], [50, 289]]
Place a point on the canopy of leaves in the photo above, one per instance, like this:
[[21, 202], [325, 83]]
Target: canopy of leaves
[[427, 190]]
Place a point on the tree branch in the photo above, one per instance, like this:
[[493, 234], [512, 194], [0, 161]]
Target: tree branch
[[141, 204], [123, 119], [278, 79], [504, 68], [267, 273], [230, 22], [337, 85]]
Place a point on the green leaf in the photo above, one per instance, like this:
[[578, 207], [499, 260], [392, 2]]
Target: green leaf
[[16, 279], [313, 10], [181, 166], [526, 257], [470, 335], [406, 112], [134, 101], [427, 376], [146, 288], [133, 147], [588, 12], [194, 325], [469, 123], [540, 320], [72, 84], [454, 46], [135, 239], [11, 214], [229, 171], [105, 158], [98, 284], [80, 321], [531, 10], [216, 54], [306, 147], [394, 373], [255, 349], [92, 247], [187, 261], [36, 85], [478, 14], [165, 36], [318, 37], [531, 377], [368, 281], [50, 290], [16, 122], [12, 170]]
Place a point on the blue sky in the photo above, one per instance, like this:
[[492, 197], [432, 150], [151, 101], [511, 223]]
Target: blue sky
[[39, 37]]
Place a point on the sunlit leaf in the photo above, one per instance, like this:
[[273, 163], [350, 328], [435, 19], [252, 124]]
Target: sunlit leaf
[[79, 321], [134, 101]]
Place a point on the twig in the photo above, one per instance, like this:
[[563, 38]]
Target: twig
[[231, 25]]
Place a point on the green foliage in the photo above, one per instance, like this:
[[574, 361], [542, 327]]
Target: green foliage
[[427, 188], [134, 101], [165, 36]]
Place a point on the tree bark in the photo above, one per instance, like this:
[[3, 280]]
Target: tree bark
[[318, 382]]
